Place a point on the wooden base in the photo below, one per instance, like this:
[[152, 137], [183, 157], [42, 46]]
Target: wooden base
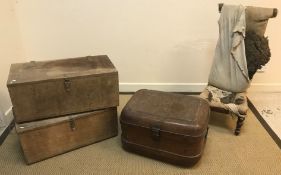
[[240, 120], [239, 124]]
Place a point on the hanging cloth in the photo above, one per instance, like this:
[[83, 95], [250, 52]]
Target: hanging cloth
[[229, 70]]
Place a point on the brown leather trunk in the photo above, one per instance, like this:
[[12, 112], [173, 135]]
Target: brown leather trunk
[[166, 126], [47, 138], [46, 89]]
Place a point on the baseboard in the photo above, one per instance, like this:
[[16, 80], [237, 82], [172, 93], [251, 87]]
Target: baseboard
[[264, 123], [192, 87], [265, 87], [9, 120], [168, 87]]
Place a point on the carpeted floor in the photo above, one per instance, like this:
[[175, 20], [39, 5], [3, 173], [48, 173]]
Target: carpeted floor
[[253, 152]]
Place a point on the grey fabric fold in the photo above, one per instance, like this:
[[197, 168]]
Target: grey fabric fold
[[229, 70]]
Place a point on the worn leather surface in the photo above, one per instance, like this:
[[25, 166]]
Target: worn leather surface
[[166, 126], [177, 113]]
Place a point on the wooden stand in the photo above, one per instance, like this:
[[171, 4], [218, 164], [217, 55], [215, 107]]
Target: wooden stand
[[274, 13]]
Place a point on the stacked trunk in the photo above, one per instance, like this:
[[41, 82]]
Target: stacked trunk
[[64, 104]]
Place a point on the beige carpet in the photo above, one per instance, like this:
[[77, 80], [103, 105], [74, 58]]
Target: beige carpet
[[253, 152]]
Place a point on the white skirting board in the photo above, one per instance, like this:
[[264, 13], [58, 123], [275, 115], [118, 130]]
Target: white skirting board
[[192, 87], [265, 87], [169, 87]]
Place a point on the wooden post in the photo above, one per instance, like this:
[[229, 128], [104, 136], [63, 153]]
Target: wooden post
[[274, 13]]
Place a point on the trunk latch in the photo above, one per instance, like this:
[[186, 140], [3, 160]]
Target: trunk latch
[[155, 132], [72, 124], [67, 85]]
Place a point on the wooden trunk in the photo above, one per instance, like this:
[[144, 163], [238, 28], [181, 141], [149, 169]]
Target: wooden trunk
[[46, 89], [165, 126], [47, 138]]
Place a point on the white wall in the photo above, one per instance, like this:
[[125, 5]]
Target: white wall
[[163, 44], [10, 48], [150, 41]]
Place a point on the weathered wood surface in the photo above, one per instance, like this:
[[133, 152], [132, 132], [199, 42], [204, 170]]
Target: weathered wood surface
[[47, 138], [41, 90]]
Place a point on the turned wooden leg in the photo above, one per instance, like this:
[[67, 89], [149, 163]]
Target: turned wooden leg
[[239, 124]]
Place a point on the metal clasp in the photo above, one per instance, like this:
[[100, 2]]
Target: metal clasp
[[155, 132], [67, 85], [72, 124]]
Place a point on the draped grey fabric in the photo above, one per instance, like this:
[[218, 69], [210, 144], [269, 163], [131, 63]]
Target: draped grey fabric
[[229, 70]]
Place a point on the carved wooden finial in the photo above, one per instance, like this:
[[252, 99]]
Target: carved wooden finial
[[275, 12], [220, 6]]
